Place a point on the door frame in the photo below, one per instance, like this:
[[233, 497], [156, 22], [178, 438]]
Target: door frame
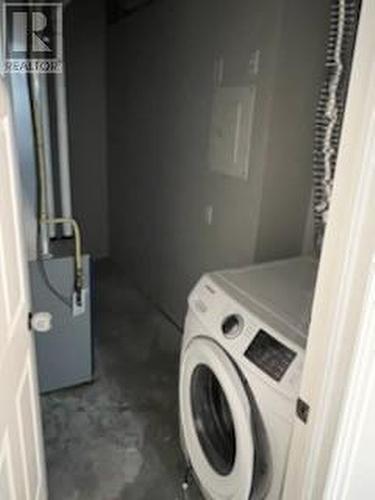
[[337, 352]]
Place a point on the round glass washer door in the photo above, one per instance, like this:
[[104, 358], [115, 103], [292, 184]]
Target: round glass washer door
[[215, 416]]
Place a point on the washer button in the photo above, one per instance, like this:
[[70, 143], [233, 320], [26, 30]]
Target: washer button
[[201, 306]]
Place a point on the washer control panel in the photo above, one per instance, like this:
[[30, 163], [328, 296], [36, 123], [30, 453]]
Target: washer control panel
[[270, 355]]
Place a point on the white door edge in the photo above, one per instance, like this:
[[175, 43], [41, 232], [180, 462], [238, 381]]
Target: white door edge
[[347, 467], [22, 465]]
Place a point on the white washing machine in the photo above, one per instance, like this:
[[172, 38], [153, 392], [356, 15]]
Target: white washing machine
[[240, 370]]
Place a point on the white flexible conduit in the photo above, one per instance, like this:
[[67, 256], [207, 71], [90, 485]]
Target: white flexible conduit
[[330, 111], [46, 126]]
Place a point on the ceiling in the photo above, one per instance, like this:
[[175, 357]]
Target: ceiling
[[118, 9]]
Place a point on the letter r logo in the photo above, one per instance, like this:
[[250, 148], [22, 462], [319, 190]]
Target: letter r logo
[[39, 24], [22, 33]]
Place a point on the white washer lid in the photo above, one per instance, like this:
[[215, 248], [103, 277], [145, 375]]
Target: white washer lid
[[283, 289]]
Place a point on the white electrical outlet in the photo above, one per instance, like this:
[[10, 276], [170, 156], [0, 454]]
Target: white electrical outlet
[[79, 308], [209, 214], [254, 63], [218, 71]]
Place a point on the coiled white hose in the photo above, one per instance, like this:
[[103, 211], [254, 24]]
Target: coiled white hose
[[330, 110]]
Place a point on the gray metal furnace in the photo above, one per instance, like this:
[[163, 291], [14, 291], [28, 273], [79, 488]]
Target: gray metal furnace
[[64, 354]]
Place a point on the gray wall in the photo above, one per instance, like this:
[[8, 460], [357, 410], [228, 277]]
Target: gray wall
[[160, 96], [287, 180], [85, 51]]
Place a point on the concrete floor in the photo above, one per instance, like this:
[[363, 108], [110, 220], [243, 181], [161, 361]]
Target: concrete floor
[[118, 437]]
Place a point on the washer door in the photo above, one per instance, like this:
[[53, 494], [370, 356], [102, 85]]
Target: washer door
[[217, 422]]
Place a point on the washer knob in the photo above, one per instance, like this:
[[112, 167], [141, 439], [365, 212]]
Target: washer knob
[[40, 322], [232, 326]]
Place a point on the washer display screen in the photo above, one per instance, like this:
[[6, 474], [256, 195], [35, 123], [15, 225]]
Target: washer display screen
[[270, 355]]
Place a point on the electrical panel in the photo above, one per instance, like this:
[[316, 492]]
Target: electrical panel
[[231, 130]]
